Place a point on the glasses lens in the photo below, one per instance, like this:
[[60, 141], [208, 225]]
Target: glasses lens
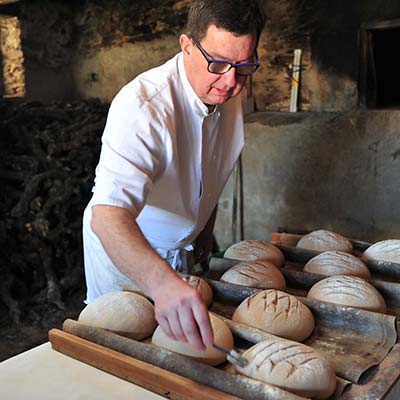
[[219, 67], [246, 69]]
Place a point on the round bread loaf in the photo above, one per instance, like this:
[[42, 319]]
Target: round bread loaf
[[348, 291], [323, 240], [277, 313], [255, 250], [222, 336], [201, 285], [126, 313], [258, 274], [337, 263], [291, 366], [386, 250]]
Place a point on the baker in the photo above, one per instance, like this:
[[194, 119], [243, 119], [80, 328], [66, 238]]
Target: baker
[[172, 138]]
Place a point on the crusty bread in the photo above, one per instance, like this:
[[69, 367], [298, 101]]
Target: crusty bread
[[258, 273], [348, 291], [201, 285], [255, 250], [291, 366], [337, 263], [386, 250], [276, 312], [222, 336], [125, 313], [323, 240]]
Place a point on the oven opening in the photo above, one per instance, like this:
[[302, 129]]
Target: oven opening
[[379, 77]]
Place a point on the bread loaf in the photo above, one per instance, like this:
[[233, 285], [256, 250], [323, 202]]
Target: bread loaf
[[348, 291], [126, 313], [386, 250], [291, 366], [323, 240], [222, 336], [255, 250], [277, 313], [337, 263], [201, 285], [258, 273]]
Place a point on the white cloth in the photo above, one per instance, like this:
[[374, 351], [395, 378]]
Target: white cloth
[[166, 159]]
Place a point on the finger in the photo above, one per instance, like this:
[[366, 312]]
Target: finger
[[203, 322], [190, 329], [164, 324], [176, 327]]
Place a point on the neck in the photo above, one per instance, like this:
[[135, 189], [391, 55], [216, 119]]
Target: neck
[[211, 107]]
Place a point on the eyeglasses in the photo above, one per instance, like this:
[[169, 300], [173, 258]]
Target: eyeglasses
[[221, 67]]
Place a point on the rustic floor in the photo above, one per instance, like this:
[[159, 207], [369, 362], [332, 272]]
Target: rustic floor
[[35, 324]]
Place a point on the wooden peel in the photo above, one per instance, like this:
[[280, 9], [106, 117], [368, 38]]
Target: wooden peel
[[236, 385]]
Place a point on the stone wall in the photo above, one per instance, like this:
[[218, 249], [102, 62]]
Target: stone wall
[[90, 49], [12, 82], [307, 171]]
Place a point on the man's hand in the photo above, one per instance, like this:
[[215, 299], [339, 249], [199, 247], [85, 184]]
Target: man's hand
[[182, 314]]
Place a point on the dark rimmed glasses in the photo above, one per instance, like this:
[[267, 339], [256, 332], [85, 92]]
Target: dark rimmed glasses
[[221, 67]]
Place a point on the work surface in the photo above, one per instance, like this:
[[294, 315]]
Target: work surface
[[42, 373]]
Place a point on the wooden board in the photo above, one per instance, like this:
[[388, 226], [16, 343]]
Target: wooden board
[[153, 378]]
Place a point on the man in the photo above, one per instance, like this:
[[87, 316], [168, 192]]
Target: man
[[172, 138]]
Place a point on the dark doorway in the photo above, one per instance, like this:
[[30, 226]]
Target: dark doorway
[[379, 84]]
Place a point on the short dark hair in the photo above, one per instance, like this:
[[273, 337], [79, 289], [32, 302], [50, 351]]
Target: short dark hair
[[239, 17]]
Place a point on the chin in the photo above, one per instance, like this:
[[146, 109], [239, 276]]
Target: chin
[[219, 99]]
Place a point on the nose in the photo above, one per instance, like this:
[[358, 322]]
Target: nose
[[229, 78]]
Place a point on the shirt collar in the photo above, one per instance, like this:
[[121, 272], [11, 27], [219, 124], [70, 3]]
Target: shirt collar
[[200, 108]]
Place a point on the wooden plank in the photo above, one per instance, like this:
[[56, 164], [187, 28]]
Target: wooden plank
[[158, 380]]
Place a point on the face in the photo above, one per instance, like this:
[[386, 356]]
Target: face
[[219, 44]]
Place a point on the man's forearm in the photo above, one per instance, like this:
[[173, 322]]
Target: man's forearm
[[127, 247], [178, 307]]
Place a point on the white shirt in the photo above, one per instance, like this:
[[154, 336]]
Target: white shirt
[[166, 159]]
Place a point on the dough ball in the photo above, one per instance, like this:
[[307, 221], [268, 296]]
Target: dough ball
[[258, 274], [323, 240], [348, 291], [337, 263], [277, 313], [125, 313], [386, 250], [255, 250], [222, 336], [291, 366]]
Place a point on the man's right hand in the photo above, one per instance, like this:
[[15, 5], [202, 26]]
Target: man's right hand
[[181, 313]]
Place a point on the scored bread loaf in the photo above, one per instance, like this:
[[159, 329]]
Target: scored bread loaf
[[126, 313], [277, 313], [201, 285], [348, 291], [337, 263], [386, 250], [255, 250], [258, 274], [291, 366], [323, 240], [222, 336]]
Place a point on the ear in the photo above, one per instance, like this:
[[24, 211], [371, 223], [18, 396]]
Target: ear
[[186, 44]]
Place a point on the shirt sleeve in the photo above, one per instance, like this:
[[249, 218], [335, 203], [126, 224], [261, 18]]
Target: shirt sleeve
[[133, 145]]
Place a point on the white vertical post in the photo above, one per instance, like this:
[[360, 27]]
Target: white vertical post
[[295, 80]]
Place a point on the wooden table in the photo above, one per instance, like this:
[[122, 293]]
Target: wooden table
[[45, 374]]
